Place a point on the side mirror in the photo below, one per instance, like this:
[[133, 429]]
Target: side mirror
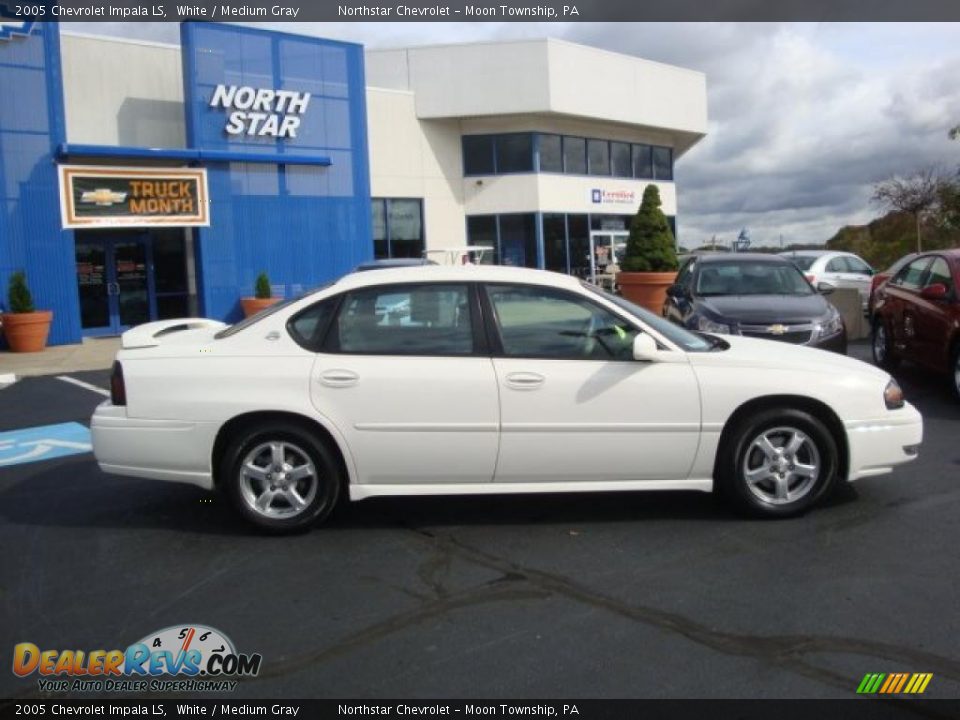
[[645, 348], [825, 288], [677, 292], [937, 291]]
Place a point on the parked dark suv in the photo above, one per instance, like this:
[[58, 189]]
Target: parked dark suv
[[916, 315], [757, 295]]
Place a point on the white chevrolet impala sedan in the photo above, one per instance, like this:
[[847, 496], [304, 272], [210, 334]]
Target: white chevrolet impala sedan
[[439, 380]]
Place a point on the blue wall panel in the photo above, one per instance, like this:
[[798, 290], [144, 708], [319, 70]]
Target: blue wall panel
[[31, 127], [303, 225]]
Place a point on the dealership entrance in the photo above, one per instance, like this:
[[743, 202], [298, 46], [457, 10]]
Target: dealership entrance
[[129, 277]]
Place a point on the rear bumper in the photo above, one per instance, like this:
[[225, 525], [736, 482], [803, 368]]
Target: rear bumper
[[171, 450], [879, 445]]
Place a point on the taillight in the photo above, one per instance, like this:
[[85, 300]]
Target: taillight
[[811, 279], [118, 389]]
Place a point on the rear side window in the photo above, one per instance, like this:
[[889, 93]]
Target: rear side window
[[404, 320], [909, 277], [309, 327]]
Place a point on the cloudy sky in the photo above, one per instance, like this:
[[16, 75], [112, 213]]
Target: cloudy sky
[[804, 118]]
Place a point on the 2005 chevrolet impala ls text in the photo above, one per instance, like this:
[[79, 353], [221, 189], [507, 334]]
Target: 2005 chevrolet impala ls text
[[441, 380]]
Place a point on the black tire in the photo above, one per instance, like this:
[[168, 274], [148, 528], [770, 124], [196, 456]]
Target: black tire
[[881, 346], [299, 448], [955, 369], [740, 454]]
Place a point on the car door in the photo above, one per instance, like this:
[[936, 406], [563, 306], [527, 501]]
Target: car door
[[574, 405], [900, 299], [859, 275], [933, 317], [405, 375]]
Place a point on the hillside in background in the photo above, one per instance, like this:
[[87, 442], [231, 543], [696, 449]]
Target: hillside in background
[[884, 240]]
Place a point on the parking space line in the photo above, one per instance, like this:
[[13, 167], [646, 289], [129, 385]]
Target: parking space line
[[85, 385]]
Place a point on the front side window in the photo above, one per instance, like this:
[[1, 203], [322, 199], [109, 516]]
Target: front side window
[[909, 277], [547, 323], [837, 265], [404, 320], [939, 274]]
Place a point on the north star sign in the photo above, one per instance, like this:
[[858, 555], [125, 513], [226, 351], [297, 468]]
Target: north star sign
[[259, 111]]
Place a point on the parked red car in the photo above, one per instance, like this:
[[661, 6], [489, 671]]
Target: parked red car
[[916, 315]]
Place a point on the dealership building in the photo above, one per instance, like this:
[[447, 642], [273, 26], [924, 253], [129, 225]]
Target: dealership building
[[144, 181]]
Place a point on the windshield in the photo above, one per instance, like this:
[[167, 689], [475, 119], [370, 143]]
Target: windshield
[[266, 312], [750, 278], [683, 338], [804, 262]]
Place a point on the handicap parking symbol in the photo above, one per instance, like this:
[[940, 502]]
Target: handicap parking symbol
[[44, 442]]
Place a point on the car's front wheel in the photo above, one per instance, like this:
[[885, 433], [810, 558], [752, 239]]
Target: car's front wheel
[[281, 478], [778, 463], [882, 346]]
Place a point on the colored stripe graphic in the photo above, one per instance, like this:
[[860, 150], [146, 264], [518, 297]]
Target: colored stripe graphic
[[894, 683]]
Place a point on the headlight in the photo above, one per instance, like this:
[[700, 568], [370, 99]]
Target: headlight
[[832, 325], [893, 395], [713, 327]]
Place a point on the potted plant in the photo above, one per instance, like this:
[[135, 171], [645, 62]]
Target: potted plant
[[650, 262], [261, 299], [25, 328]]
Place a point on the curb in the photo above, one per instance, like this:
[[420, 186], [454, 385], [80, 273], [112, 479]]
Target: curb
[[7, 379]]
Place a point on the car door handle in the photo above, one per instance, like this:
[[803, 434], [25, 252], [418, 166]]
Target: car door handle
[[525, 380], [338, 378]]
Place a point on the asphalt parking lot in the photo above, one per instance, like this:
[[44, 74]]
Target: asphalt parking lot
[[607, 595]]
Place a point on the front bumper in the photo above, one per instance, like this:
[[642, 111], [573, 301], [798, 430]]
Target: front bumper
[[171, 450], [835, 343], [878, 445]]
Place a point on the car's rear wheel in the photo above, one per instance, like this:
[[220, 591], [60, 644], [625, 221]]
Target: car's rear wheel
[[956, 369], [281, 478], [883, 347], [778, 464]]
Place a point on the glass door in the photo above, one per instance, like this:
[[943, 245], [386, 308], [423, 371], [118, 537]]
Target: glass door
[[93, 287], [114, 283]]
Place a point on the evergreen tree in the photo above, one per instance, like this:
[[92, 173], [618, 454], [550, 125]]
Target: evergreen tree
[[650, 247], [19, 294]]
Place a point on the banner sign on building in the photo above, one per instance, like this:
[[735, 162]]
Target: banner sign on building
[[94, 196]]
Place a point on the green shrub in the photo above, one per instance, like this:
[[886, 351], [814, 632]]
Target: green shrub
[[650, 247], [20, 299], [261, 289]]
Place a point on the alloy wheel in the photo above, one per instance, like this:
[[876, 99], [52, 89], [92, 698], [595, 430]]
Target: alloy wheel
[[781, 465], [278, 480]]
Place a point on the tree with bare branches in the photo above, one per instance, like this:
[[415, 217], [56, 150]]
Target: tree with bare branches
[[917, 194]]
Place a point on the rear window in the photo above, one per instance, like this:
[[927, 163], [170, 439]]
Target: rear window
[[804, 262]]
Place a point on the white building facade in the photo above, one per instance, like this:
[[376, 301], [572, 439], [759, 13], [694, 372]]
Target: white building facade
[[540, 149]]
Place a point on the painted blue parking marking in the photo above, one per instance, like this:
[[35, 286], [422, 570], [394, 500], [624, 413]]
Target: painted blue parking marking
[[44, 442]]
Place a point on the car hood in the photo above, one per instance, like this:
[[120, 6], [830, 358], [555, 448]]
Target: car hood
[[746, 352], [764, 309]]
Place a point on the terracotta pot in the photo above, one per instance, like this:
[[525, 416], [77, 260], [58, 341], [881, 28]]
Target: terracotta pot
[[646, 289], [27, 332], [253, 305]]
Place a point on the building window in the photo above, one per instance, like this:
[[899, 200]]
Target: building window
[[514, 153], [551, 153], [574, 156], [620, 159], [482, 231], [555, 243], [662, 163], [397, 227], [513, 238], [642, 161], [478, 155], [598, 153]]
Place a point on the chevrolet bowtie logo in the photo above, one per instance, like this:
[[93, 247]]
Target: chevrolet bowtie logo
[[103, 197], [777, 329]]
